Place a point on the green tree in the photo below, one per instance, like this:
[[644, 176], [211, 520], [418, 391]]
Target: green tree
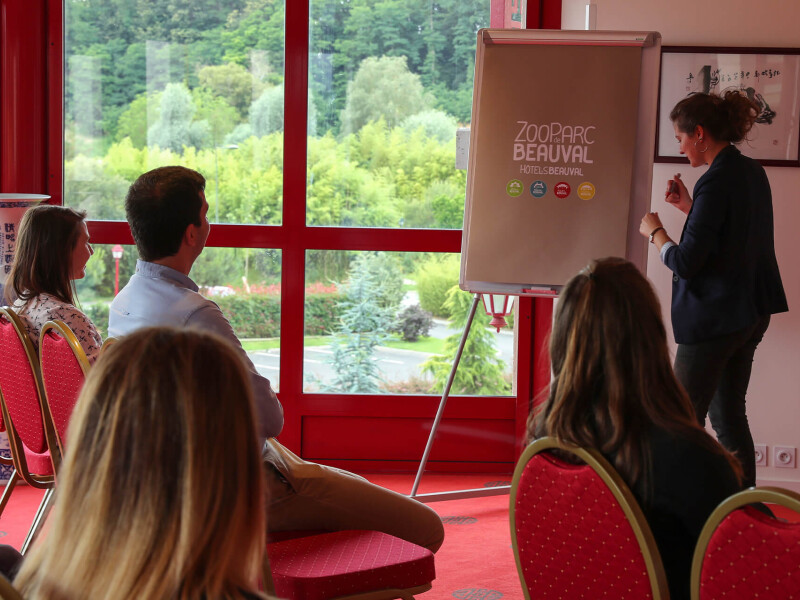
[[233, 83], [220, 116], [479, 371], [258, 25], [174, 129], [132, 122], [434, 124], [382, 88], [364, 325], [266, 113]]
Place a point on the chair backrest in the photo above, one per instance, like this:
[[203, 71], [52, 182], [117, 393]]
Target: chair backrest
[[577, 530], [742, 549], [21, 396], [64, 367], [107, 343]]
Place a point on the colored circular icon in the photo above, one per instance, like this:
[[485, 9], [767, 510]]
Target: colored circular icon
[[538, 189], [586, 191], [514, 188], [562, 189]]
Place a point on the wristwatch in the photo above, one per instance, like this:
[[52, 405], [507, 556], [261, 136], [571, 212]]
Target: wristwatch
[[653, 234]]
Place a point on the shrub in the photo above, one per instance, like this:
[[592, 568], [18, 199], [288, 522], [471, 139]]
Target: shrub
[[480, 371], [98, 314], [413, 322], [322, 313], [258, 316], [252, 315], [414, 384], [434, 279]]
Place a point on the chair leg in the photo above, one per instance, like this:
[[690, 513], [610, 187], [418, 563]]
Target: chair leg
[[39, 519], [9, 488]]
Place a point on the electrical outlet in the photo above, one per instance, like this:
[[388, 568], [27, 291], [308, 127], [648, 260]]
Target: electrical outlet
[[785, 456], [761, 455]]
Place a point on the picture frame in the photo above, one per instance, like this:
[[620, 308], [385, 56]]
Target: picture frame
[[769, 76]]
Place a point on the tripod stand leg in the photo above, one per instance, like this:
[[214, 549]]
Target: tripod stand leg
[[443, 401]]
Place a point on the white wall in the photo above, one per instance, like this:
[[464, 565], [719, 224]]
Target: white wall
[[774, 394]]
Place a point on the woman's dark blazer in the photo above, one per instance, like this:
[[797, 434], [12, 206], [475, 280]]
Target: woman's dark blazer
[[725, 274]]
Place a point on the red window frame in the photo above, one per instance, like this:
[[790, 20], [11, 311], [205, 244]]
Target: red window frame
[[31, 160]]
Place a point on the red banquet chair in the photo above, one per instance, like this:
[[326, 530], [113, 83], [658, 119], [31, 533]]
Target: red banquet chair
[[351, 565], [744, 553], [577, 531], [64, 367], [30, 431]]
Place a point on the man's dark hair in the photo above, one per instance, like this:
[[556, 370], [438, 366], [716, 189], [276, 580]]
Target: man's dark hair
[[160, 205]]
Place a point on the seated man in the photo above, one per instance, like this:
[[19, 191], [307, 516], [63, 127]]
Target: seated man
[[167, 212]]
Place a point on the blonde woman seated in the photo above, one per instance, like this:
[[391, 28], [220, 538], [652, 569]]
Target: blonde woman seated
[[613, 389], [161, 494], [51, 253]]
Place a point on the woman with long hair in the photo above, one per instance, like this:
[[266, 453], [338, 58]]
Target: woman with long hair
[[161, 494], [725, 278], [613, 389], [51, 253]]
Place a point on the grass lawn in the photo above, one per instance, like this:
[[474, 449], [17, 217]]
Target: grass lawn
[[424, 344]]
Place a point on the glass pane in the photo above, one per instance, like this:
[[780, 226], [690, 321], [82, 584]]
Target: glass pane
[[390, 83], [151, 84], [244, 282], [390, 322]]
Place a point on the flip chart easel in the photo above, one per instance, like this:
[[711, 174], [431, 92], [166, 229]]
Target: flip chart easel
[[560, 167]]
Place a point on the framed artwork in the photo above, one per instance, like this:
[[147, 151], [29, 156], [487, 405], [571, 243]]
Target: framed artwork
[[768, 76]]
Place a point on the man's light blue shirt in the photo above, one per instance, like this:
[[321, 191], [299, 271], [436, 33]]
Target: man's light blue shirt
[[158, 295]]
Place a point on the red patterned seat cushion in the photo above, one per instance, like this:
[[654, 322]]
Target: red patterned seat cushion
[[573, 538], [751, 555], [347, 562]]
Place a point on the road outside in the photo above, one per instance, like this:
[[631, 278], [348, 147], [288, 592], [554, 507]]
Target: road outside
[[395, 364]]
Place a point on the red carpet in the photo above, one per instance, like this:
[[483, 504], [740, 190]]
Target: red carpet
[[476, 561], [18, 515]]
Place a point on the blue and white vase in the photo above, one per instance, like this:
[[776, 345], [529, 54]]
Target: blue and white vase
[[12, 207], [5, 470]]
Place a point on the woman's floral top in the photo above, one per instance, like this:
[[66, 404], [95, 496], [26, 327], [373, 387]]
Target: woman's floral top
[[43, 308]]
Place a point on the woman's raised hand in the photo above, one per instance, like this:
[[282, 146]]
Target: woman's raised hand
[[677, 194]]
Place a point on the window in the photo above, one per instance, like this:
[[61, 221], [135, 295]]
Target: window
[[308, 177]]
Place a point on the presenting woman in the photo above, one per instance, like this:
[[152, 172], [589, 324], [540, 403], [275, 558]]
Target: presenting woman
[[52, 251], [725, 282], [161, 495], [613, 389]]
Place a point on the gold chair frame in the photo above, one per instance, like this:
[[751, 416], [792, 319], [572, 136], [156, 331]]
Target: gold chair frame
[[623, 496], [108, 342], [64, 331], [773, 495], [46, 482]]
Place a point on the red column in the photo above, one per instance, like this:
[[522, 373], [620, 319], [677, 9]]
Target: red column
[[23, 96]]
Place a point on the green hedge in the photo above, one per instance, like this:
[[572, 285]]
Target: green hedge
[[258, 316], [255, 315]]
